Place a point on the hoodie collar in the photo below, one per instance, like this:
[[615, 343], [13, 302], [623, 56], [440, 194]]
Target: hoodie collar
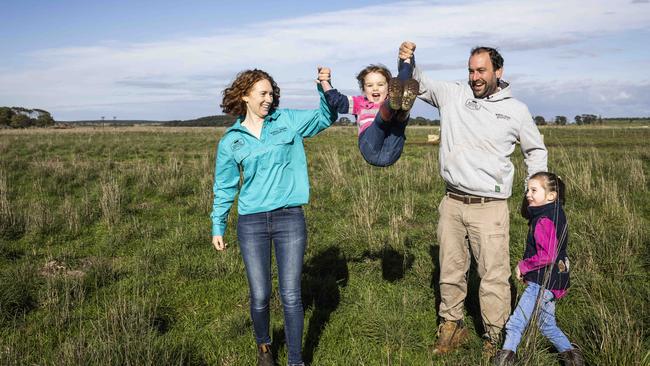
[[504, 92]]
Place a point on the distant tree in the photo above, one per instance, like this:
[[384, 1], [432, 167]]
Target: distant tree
[[44, 120], [539, 120], [588, 119], [20, 120], [578, 119], [560, 120], [5, 116]]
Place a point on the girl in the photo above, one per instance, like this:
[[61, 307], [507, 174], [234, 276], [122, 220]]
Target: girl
[[382, 122], [545, 270], [266, 145]]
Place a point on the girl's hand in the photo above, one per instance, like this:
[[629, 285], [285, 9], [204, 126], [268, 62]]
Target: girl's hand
[[518, 274], [324, 77], [324, 73], [218, 243]]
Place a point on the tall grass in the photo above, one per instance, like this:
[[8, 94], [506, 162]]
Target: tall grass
[[105, 254]]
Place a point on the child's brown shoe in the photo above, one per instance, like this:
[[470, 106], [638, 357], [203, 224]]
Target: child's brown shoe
[[411, 89], [395, 93]]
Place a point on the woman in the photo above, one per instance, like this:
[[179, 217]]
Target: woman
[[266, 144]]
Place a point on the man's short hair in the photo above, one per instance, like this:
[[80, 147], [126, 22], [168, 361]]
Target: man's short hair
[[495, 56]]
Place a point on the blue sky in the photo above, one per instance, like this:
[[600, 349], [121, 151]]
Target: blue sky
[[163, 60]]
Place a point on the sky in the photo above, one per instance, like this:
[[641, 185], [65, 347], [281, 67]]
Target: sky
[[167, 60]]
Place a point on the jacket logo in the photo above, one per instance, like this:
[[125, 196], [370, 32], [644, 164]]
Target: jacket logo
[[502, 116], [237, 144], [472, 104], [279, 130]]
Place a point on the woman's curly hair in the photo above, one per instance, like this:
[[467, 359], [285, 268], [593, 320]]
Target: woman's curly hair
[[232, 102], [379, 68]]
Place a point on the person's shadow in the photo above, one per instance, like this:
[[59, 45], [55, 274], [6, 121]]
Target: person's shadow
[[323, 276]]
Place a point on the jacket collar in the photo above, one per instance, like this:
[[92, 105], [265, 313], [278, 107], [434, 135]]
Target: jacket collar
[[239, 128], [548, 210]]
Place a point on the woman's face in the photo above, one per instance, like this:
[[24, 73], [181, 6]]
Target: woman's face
[[375, 87], [259, 99]]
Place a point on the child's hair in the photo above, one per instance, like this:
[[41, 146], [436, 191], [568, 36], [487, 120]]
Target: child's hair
[[551, 183], [379, 68]]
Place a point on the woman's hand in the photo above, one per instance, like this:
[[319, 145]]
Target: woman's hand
[[324, 77], [218, 243]]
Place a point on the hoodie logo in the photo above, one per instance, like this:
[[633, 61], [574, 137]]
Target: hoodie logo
[[237, 144], [472, 104], [502, 116]]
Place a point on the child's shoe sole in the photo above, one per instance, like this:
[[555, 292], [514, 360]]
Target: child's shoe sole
[[411, 88], [395, 92]]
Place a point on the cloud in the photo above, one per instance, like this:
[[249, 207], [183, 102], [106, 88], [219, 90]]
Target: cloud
[[195, 69]]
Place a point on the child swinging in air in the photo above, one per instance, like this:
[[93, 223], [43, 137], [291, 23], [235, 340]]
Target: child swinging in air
[[545, 270], [382, 112]]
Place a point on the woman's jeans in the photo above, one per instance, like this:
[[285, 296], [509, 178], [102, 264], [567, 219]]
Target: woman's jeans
[[546, 322], [286, 228]]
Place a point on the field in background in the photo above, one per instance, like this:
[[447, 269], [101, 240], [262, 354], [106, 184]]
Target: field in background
[[105, 254]]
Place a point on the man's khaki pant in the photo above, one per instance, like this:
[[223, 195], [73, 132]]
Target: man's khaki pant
[[486, 225]]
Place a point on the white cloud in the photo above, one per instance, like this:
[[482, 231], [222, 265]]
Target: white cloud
[[118, 75]]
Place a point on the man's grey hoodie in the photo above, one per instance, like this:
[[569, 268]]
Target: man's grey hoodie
[[478, 135]]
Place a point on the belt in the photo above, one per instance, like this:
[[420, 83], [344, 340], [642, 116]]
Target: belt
[[467, 199]]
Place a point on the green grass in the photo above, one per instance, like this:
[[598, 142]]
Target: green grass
[[105, 254]]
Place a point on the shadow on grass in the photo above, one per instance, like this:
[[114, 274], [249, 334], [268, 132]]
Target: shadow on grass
[[394, 263], [323, 276]]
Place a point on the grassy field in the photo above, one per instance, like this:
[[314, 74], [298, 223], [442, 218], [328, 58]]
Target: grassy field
[[105, 254]]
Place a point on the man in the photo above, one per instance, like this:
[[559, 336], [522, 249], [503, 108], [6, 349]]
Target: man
[[480, 122]]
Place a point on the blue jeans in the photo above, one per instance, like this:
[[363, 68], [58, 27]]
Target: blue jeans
[[286, 228], [382, 143], [546, 322]]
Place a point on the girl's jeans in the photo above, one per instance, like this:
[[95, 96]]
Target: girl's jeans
[[519, 320], [286, 228], [381, 144]]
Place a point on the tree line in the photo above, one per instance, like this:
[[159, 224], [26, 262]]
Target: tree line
[[581, 119], [18, 117]]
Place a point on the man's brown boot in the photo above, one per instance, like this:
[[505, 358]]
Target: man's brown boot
[[264, 355], [451, 334]]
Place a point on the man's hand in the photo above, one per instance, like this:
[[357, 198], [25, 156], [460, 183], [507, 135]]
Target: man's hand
[[218, 243], [406, 50]]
